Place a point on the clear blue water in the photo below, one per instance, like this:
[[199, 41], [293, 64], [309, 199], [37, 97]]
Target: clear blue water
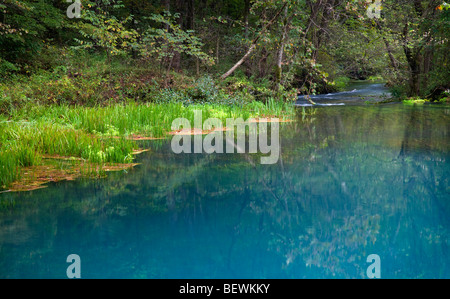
[[353, 181]]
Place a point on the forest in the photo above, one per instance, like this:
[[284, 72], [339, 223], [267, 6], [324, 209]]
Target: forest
[[311, 46]]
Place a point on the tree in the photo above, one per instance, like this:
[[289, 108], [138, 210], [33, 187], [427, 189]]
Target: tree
[[416, 28], [24, 28], [104, 30], [169, 40]]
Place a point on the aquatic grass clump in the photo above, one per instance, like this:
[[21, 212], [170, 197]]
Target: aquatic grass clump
[[14, 153], [24, 144], [14, 158], [27, 156], [69, 142], [109, 154], [9, 168], [55, 139]]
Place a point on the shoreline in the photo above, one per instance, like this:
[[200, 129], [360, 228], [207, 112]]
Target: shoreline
[[99, 139]]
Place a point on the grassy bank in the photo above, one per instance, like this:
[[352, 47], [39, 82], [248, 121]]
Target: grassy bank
[[88, 110], [146, 119], [101, 134]]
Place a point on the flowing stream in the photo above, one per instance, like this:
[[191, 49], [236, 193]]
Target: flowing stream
[[357, 92]]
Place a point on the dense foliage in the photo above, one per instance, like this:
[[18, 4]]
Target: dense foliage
[[308, 45]]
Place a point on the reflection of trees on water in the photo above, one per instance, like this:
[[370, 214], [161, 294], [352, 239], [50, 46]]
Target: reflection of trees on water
[[401, 198], [348, 184]]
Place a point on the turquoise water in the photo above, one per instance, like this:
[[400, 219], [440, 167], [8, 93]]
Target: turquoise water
[[352, 181]]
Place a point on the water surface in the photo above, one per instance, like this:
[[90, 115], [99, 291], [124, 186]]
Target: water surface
[[352, 181], [356, 93]]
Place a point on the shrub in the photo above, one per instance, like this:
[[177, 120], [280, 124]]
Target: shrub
[[341, 82]]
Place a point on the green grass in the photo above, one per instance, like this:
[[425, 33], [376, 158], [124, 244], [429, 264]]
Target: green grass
[[33, 131], [23, 143], [75, 110], [149, 119]]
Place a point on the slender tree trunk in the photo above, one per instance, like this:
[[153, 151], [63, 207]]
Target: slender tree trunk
[[197, 66], [190, 14], [279, 66], [133, 26], [262, 64], [314, 18], [326, 15], [108, 56], [246, 16], [217, 49], [166, 79], [190, 24], [176, 62], [391, 56], [247, 6], [388, 48], [427, 58], [166, 62]]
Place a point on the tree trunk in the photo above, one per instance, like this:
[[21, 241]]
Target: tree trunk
[[412, 56], [388, 48], [391, 56], [427, 58], [166, 79], [247, 6], [190, 15], [230, 71], [176, 62], [414, 67], [246, 16], [262, 64], [217, 49], [279, 66], [166, 5]]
